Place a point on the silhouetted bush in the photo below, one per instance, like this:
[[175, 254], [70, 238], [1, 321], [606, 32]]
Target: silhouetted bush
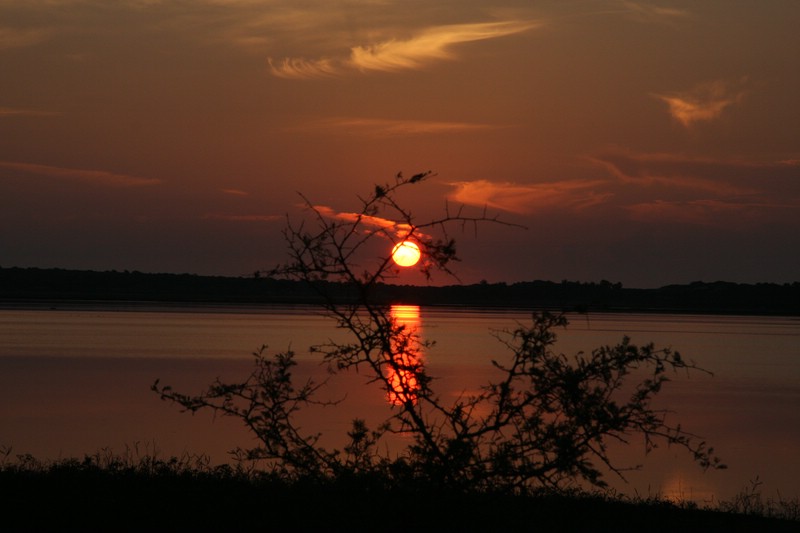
[[545, 421], [106, 492]]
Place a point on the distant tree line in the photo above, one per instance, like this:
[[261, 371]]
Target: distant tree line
[[35, 284]]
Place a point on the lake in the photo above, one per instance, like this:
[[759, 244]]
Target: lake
[[76, 378]]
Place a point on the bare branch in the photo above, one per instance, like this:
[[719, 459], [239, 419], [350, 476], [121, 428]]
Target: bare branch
[[545, 422]]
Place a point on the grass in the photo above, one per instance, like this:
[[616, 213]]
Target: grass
[[140, 492]]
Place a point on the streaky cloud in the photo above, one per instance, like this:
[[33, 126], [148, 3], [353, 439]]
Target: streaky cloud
[[425, 47], [302, 69], [721, 177], [389, 127], [649, 12], [242, 218], [95, 177], [17, 112], [429, 45], [705, 102], [21, 38], [384, 226], [529, 198], [235, 192], [701, 212], [683, 212], [706, 191]]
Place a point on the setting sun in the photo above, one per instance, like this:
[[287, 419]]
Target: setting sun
[[406, 253]]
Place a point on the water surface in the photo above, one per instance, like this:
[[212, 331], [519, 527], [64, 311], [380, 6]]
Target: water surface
[[74, 380]]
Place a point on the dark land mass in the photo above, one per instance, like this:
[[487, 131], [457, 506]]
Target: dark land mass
[[74, 496], [31, 285]]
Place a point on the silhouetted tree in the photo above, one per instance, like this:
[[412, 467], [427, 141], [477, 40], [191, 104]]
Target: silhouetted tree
[[545, 421]]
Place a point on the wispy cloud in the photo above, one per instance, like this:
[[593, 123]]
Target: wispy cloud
[[649, 12], [722, 177], [391, 128], [22, 37], [235, 192], [16, 112], [243, 218], [664, 188], [298, 68], [348, 216], [432, 44], [679, 172], [417, 51], [370, 222], [95, 177], [703, 190], [704, 102], [708, 212], [529, 198]]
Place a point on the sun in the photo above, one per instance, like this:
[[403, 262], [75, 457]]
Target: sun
[[406, 253]]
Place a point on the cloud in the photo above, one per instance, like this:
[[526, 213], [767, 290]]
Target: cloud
[[427, 46], [21, 38], [243, 218], [391, 128], [679, 172], [96, 177], [705, 191], [432, 44], [523, 199], [385, 226], [705, 102], [721, 177], [707, 212], [235, 192], [297, 68], [663, 188], [647, 12], [14, 112]]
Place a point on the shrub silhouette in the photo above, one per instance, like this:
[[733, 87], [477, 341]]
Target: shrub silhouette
[[545, 422]]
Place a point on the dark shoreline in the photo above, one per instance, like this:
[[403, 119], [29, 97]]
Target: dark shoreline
[[33, 287], [82, 495]]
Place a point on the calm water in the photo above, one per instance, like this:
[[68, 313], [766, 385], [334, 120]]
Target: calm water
[[75, 380]]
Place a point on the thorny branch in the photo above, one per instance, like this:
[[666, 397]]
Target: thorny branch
[[545, 422]]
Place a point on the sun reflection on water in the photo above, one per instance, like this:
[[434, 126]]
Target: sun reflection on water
[[405, 362]]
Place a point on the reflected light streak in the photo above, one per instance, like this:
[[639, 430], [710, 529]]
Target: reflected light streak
[[406, 362]]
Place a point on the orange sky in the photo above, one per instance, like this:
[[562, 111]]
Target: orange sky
[[642, 142]]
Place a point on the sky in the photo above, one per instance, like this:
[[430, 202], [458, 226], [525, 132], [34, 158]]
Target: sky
[[645, 143]]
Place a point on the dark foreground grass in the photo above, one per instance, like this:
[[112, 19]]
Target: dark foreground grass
[[85, 495]]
